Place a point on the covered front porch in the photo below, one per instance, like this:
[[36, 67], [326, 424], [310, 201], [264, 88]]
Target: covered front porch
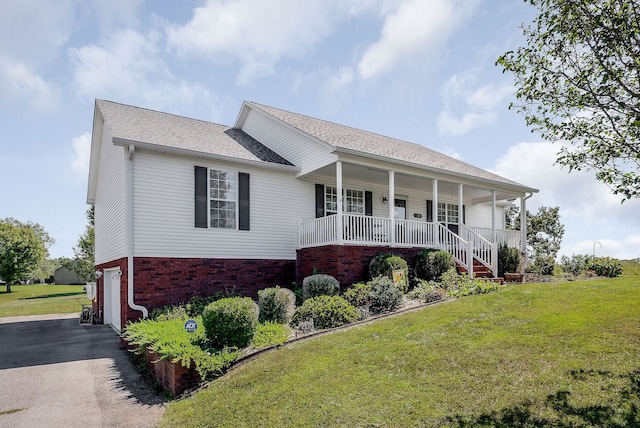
[[368, 206], [467, 245]]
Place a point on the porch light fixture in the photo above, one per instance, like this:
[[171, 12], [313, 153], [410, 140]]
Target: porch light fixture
[[98, 274], [385, 200]]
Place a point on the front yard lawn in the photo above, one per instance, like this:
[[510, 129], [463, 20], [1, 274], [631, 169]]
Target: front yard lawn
[[553, 354], [39, 299]]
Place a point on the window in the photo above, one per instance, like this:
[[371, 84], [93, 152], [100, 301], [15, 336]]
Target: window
[[354, 201], [223, 193], [448, 213]]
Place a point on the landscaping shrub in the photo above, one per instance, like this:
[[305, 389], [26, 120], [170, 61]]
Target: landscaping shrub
[[459, 285], [170, 341], [385, 264], [319, 285], [508, 260], [358, 294], [276, 304], [576, 265], [269, 334], [385, 297], [427, 291], [432, 263], [326, 312], [230, 322], [605, 266], [195, 306], [168, 312]]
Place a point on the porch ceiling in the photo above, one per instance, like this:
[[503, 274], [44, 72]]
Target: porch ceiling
[[378, 176]]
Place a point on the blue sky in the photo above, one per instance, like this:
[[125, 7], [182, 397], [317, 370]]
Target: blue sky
[[419, 70]]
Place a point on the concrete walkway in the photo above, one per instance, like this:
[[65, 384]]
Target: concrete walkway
[[55, 372]]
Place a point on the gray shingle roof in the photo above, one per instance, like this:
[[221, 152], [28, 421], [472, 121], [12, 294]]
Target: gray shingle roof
[[177, 132], [345, 137]]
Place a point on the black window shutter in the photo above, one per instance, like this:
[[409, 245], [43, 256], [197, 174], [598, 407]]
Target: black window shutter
[[464, 215], [429, 210], [319, 200], [243, 199], [200, 196], [368, 203]]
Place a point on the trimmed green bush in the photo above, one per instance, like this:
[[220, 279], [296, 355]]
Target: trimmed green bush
[[508, 260], [326, 312], [276, 304], [230, 322], [385, 264], [605, 266], [431, 264], [385, 297], [269, 334], [167, 313], [358, 294], [195, 306], [319, 285]]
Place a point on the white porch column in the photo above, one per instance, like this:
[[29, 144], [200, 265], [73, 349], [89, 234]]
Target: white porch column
[[434, 208], [493, 216], [392, 204], [434, 214], [460, 204], [523, 225], [339, 208]]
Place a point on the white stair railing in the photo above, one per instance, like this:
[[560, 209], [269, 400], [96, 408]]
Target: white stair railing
[[483, 250]]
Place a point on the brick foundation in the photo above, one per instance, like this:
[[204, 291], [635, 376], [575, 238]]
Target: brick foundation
[[349, 264], [174, 377], [161, 281]]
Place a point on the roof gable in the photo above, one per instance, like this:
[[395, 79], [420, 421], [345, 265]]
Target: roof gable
[[364, 143], [164, 131]]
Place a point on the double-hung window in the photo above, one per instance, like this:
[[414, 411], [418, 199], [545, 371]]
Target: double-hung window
[[448, 213], [223, 194], [222, 199], [354, 201]]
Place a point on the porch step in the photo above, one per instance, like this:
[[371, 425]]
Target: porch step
[[479, 270]]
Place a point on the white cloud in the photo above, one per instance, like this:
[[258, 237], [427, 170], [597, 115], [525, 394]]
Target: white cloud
[[447, 124], [258, 33], [415, 29], [477, 105], [32, 31], [19, 82], [129, 66], [586, 205], [82, 151]]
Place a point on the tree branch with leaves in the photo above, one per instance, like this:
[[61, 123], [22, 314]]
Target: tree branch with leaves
[[578, 80]]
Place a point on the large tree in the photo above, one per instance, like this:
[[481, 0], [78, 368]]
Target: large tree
[[578, 80], [544, 236], [21, 250], [84, 251]]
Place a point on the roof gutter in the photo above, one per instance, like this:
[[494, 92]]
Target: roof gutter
[[129, 233], [472, 178]]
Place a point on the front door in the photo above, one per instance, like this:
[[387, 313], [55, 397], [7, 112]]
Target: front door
[[400, 209]]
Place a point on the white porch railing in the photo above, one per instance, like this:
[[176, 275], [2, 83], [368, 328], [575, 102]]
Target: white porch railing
[[368, 230], [513, 238]]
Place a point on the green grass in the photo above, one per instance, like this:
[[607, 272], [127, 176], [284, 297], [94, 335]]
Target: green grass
[[560, 354], [39, 299]]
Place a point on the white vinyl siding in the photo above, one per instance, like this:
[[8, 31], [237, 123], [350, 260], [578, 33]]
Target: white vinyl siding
[[480, 216], [164, 211], [299, 149], [110, 202]]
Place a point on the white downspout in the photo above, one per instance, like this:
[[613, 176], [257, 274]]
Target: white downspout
[[129, 234], [523, 223]]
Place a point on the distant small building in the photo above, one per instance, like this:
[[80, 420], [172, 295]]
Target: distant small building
[[63, 275]]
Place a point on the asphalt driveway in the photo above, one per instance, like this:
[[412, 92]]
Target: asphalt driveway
[[56, 372]]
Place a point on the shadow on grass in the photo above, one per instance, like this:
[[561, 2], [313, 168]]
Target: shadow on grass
[[47, 296], [623, 409]]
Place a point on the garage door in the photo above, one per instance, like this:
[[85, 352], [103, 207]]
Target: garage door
[[112, 298]]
